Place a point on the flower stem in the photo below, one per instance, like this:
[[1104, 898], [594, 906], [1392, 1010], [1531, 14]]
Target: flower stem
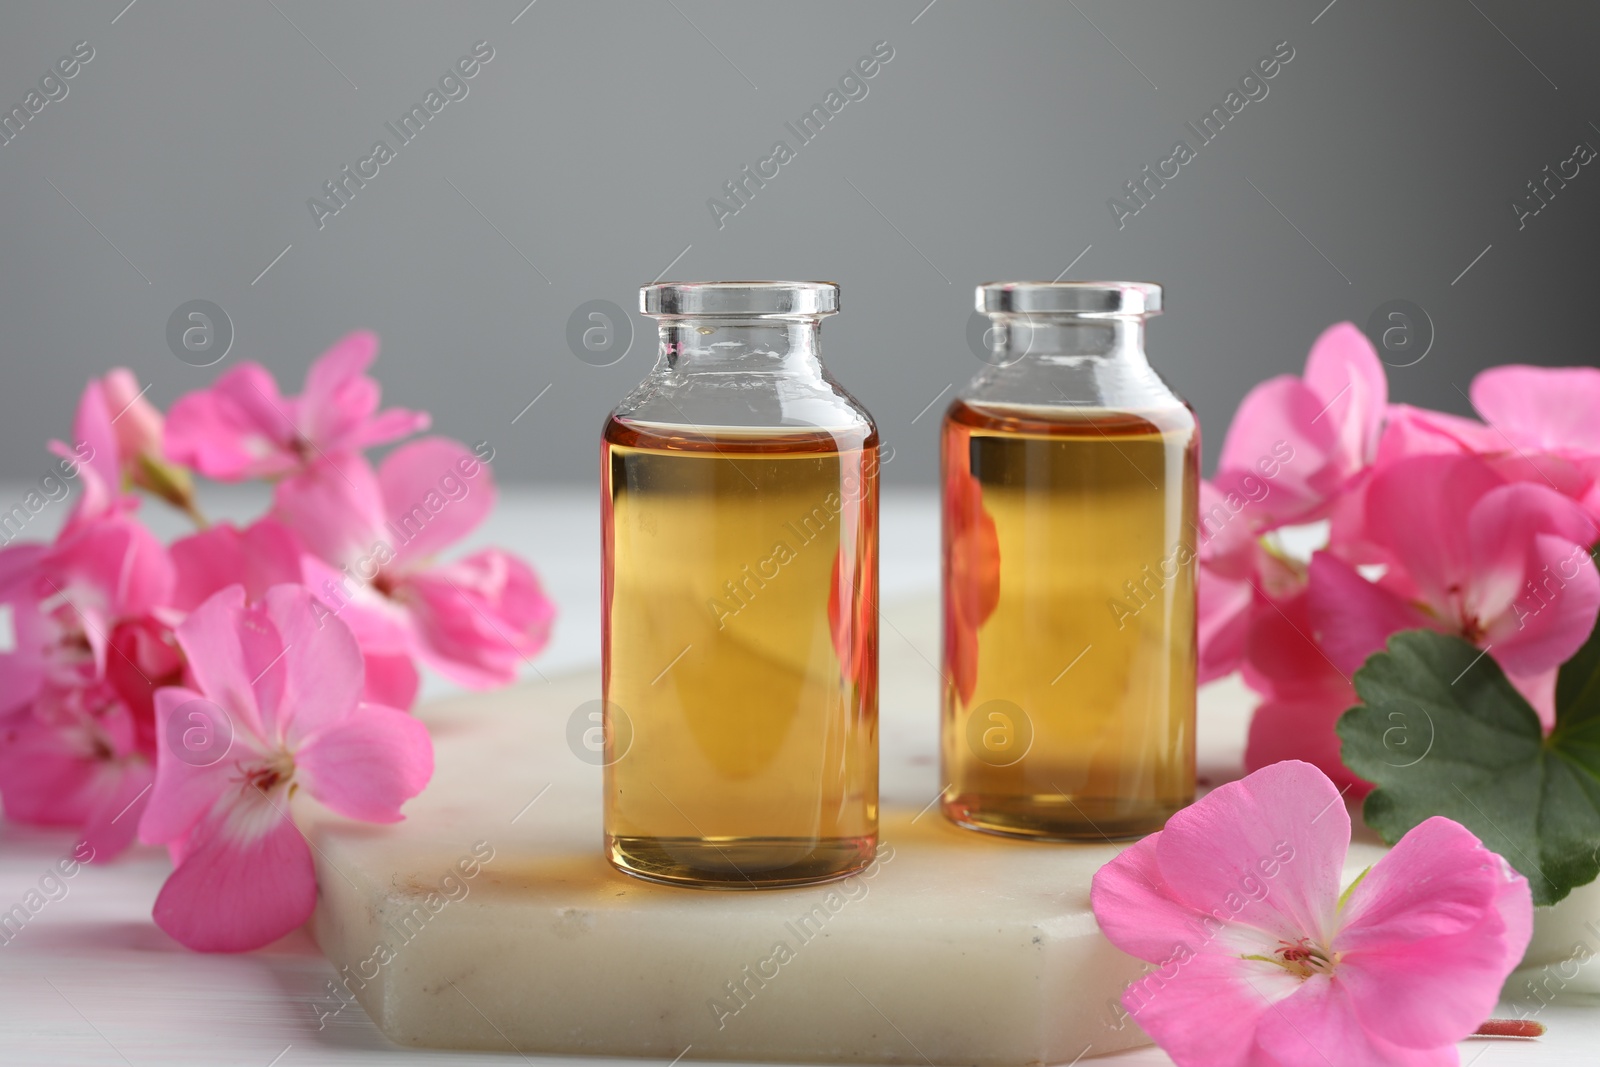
[[196, 516], [1510, 1028]]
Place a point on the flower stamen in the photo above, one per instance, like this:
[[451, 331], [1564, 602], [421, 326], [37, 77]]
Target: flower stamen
[[1300, 958], [267, 775]]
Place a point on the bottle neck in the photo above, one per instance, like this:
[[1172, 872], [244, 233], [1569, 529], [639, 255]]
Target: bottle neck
[[1062, 337], [786, 346]]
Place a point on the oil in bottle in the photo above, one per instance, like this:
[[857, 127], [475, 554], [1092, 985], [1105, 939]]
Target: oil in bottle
[[1069, 615], [740, 637]]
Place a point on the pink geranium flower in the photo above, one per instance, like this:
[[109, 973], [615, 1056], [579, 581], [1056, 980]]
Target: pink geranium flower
[[376, 533], [134, 420], [276, 700], [242, 427], [1263, 962], [264, 554], [95, 454], [1548, 414], [1542, 409], [1302, 695], [1327, 422], [1295, 449], [76, 734], [1504, 565]]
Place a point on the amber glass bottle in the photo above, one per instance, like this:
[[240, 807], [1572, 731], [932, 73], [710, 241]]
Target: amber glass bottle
[[1070, 477], [740, 514]]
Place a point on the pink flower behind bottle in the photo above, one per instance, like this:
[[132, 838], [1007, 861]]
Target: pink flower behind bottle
[[242, 427], [1418, 518]]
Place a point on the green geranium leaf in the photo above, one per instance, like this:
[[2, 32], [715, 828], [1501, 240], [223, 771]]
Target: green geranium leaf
[[1440, 731]]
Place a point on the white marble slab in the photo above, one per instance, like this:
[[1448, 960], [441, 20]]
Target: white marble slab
[[957, 948]]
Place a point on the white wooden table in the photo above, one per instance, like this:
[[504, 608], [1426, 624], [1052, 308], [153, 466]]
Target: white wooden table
[[92, 981]]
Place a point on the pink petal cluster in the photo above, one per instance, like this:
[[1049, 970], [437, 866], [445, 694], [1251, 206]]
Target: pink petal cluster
[[115, 642], [374, 536], [1259, 959], [242, 427], [1337, 519], [275, 706]]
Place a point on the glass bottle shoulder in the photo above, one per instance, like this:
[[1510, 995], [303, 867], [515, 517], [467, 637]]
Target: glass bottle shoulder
[[1043, 394], [1172, 421], [740, 411]]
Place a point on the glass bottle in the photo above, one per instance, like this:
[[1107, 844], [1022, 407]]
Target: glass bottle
[[1070, 484], [740, 619]]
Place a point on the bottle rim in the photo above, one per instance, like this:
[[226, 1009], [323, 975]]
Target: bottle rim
[[739, 299], [1069, 298]]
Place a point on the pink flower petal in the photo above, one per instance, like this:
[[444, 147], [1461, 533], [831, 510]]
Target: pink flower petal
[[319, 667], [429, 502], [1206, 1011], [1546, 627], [389, 425], [1535, 589], [1430, 935], [391, 680], [95, 454], [241, 427], [1281, 652], [143, 657], [78, 770], [1141, 915], [1223, 621], [46, 775], [381, 625], [21, 665], [1505, 521], [210, 638], [1344, 370], [1287, 818], [245, 879], [367, 764], [1411, 431], [478, 618], [336, 508], [1548, 409], [338, 395], [112, 824], [1227, 531], [1351, 617], [1299, 724], [201, 750], [1418, 508], [135, 421], [339, 408], [262, 555], [1281, 417], [1514, 908], [19, 568], [1437, 880], [111, 567], [1318, 1024], [1538, 690]]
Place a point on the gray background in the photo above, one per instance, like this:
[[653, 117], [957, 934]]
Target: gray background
[[1385, 160]]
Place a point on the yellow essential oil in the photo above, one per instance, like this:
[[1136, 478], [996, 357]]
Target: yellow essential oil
[[1069, 615], [740, 678]]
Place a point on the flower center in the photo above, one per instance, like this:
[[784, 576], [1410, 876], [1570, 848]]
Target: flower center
[[1301, 958], [271, 773]]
